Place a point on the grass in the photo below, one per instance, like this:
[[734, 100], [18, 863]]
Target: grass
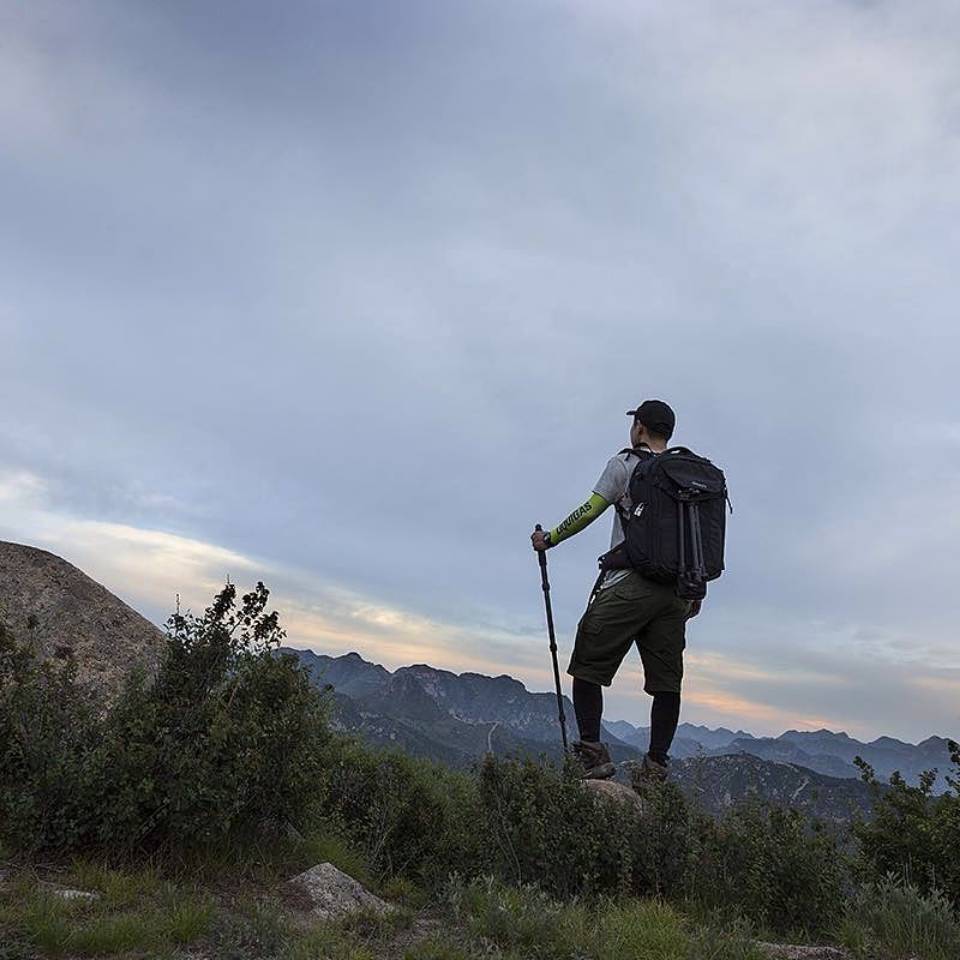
[[891, 920], [143, 914], [134, 911], [146, 913], [523, 924]]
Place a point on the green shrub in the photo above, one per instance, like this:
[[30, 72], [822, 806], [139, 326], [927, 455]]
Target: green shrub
[[543, 827], [227, 738], [47, 742], [677, 846], [409, 817], [913, 834], [774, 867], [767, 864], [892, 919]]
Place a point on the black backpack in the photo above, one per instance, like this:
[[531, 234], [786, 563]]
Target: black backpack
[[675, 531]]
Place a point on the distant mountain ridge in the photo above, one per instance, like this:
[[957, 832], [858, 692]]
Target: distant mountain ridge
[[454, 718], [719, 782], [823, 751], [457, 718]]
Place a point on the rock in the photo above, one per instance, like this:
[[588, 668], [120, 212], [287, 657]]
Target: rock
[[617, 792], [65, 893], [63, 615], [329, 894], [784, 951]]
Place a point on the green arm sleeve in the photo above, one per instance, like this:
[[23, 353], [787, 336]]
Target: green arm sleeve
[[582, 517]]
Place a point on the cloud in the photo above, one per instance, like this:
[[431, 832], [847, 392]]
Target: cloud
[[365, 291], [765, 690]]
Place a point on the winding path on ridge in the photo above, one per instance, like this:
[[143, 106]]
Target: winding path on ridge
[[496, 723]]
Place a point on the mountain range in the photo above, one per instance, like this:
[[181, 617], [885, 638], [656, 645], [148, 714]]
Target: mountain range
[[61, 614], [457, 718]]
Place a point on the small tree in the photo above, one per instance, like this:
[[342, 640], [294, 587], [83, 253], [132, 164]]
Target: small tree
[[914, 835], [227, 736]]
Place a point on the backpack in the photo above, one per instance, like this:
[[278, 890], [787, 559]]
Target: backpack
[[675, 531]]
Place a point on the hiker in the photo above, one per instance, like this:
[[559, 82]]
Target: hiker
[[626, 607]]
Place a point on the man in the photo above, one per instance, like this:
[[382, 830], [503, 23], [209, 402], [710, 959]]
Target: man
[[626, 608]]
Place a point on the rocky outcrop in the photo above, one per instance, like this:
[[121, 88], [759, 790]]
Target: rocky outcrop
[[614, 792], [329, 894], [61, 614]]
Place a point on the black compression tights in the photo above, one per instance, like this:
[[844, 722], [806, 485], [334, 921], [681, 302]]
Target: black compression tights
[[588, 706], [664, 716]]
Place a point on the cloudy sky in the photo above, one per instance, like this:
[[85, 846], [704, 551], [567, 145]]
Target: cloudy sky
[[348, 295]]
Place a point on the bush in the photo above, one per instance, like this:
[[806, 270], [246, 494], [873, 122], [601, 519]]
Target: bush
[[543, 827], [775, 867], [46, 746], [913, 834], [409, 817], [227, 737], [892, 919], [766, 864]]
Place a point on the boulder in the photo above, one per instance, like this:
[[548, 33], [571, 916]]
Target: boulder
[[615, 792], [61, 614], [330, 894]]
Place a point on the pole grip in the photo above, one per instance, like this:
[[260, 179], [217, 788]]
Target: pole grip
[[542, 559]]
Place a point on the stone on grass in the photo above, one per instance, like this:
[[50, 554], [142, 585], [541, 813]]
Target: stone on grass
[[64, 893], [330, 894], [615, 792], [785, 951]]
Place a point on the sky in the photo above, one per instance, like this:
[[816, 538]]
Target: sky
[[347, 296]]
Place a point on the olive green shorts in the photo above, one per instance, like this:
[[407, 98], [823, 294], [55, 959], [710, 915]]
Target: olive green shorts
[[632, 610]]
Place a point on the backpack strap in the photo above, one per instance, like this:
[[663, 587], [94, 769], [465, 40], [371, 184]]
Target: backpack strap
[[643, 455]]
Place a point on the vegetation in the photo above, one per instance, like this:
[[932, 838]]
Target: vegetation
[[227, 737], [891, 919], [223, 777], [914, 835]]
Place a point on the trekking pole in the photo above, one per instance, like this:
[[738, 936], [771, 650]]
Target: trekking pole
[[542, 556]]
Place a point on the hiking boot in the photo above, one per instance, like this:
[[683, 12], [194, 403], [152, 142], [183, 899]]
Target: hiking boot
[[652, 771], [594, 760]]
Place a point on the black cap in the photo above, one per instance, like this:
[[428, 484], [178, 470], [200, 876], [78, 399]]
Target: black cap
[[655, 415]]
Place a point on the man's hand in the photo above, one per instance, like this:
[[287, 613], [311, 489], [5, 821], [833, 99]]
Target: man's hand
[[540, 540], [695, 606]]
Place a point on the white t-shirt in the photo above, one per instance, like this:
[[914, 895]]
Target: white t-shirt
[[614, 487]]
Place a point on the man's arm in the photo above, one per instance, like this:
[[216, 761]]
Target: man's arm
[[582, 517]]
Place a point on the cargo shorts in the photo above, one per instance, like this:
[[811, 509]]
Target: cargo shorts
[[632, 610]]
